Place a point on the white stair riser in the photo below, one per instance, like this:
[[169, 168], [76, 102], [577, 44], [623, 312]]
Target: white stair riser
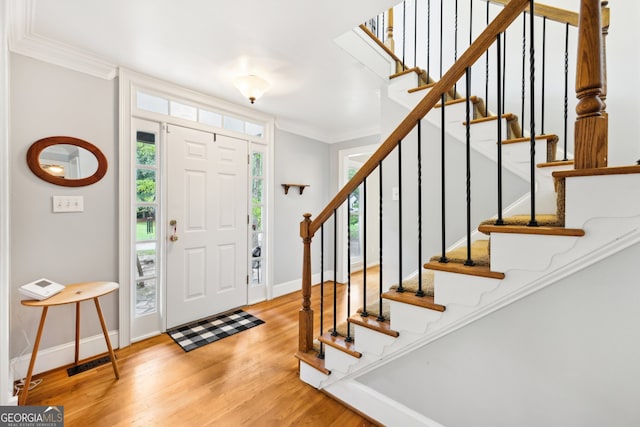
[[337, 360], [453, 114], [370, 341], [406, 317], [530, 252], [521, 152], [399, 90], [311, 375], [464, 289], [599, 196], [483, 132]]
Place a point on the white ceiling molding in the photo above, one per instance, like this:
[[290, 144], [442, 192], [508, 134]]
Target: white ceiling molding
[[319, 135], [24, 41]]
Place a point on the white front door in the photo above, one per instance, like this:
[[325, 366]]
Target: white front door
[[207, 224]]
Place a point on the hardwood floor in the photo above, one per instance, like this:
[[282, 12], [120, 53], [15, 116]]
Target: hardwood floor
[[248, 379]]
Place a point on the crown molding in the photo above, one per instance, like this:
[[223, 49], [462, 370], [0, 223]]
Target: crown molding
[[24, 41], [323, 136]]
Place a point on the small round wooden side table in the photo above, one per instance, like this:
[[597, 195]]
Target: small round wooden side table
[[75, 293]]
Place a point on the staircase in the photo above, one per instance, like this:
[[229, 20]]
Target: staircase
[[589, 213]]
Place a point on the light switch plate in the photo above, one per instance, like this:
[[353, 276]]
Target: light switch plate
[[68, 203]]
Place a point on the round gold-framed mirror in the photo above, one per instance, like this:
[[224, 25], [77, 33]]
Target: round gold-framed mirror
[[66, 161]]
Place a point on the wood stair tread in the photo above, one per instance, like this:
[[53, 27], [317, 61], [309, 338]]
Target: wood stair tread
[[556, 163], [543, 220], [371, 322], [472, 270], [616, 170], [311, 358], [525, 229], [473, 99], [550, 137], [507, 116], [416, 70], [479, 253], [422, 87], [412, 299], [339, 342]]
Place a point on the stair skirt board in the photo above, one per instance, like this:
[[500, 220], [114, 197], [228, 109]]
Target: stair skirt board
[[454, 288], [379, 407], [534, 252], [370, 341], [407, 317]]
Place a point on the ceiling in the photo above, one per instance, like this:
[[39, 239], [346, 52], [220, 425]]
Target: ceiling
[[317, 89]]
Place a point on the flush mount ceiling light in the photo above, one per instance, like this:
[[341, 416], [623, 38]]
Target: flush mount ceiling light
[[251, 86]]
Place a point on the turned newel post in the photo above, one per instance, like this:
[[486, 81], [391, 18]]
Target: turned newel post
[[389, 42], [305, 331], [605, 32], [590, 143]]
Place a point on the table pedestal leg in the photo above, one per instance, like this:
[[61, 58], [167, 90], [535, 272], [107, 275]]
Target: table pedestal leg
[[27, 381], [114, 363]]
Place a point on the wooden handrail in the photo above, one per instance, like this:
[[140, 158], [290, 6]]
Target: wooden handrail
[[457, 70], [557, 14]]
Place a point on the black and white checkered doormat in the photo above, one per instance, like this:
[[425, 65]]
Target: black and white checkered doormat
[[205, 331]]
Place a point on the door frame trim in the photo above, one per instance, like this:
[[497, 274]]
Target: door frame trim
[[129, 81], [343, 156]]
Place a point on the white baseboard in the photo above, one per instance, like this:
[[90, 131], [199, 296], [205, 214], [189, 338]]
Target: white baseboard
[[378, 406], [60, 355], [295, 285]]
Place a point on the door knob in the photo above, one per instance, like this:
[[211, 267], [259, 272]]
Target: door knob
[[174, 230]]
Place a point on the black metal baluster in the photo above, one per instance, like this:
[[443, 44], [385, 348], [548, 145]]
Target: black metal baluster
[[428, 40], [566, 86], [380, 315], [504, 71], [532, 103], [415, 33], [364, 312], [544, 72], [384, 32], [321, 353], [499, 221], [470, 22], [348, 338], [334, 331], [443, 257], [420, 292], [524, 57], [404, 33], [400, 287], [441, 36], [486, 72], [469, 261], [455, 44]]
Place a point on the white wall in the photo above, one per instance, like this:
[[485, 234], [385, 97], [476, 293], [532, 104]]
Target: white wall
[[6, 388], [298, 160], [566, 356], [48, 100]]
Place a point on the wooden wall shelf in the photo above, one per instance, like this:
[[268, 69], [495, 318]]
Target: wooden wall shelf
[[301, 187]]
